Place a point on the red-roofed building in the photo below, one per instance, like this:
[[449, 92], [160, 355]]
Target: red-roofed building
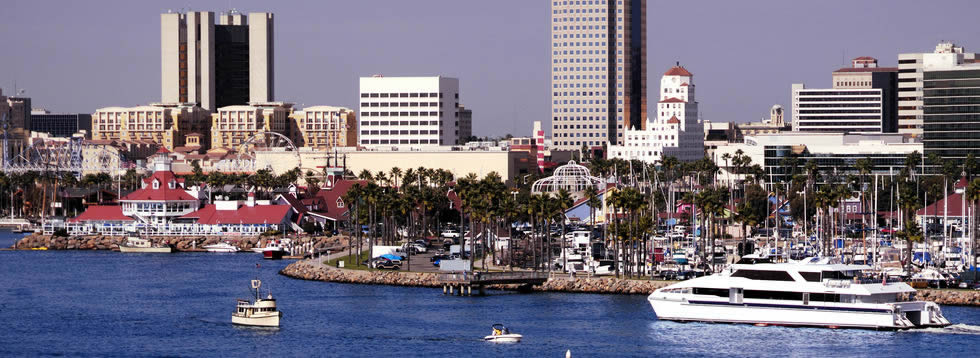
[[678, 71], [102, 213], [238, 214], [162, 196]]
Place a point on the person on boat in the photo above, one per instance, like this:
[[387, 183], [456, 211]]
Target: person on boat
[[496, 332]]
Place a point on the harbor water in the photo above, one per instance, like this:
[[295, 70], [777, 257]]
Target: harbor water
[[95, 303]]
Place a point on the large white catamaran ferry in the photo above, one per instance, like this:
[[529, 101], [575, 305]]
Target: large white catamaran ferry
[[812, 292]]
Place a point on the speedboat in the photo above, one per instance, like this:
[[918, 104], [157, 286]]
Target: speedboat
[[273, 250], [136, 244], [221, 247], [261, 312], [501, 334], [813, 293]]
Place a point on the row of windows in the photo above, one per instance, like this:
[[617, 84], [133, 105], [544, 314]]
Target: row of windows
[[579, 143], [951, 83], [400, 141], [840, 99], [577, 118], [950, 109], [932, 118], [952, 92], [763, 275], [403, 131], [404, 95], [838, 93], [950, 75], [819, 111], [820, 117], [950, 101], [581, 126], [578, 135], [769, 295], [868, 105], [401, 104], [399, 123], [402, 114]]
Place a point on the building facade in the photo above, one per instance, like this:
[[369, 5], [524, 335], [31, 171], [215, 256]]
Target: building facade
[[163, 124], [233, 125], [60, 124], [324, 127], [409, 111], [17, 111], [216, 62], [863, 98], [465, 124], [910, 91], [675, 132], [951, 106], [598, 71]]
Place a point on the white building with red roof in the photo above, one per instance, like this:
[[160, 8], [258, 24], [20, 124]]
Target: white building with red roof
[[164, 206], [676, 131], [162, 196]]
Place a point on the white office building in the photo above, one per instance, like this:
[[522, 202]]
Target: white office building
[[862, 100], [598, 71], [910, 67], [675, 132], [409, 111]]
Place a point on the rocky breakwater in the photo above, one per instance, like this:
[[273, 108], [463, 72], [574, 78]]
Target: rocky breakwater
[[310, 270], [313, 271], [951, 297], [180, 243]]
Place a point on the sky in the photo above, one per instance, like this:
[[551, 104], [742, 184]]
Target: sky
[[78, 56]]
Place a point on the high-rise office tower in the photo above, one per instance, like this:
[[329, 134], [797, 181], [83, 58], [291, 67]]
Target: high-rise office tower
[[598, 72], [216, 62], [950, 105], [910, 90]]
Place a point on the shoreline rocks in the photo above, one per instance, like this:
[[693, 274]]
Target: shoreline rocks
[[311, 271], [180, 243]]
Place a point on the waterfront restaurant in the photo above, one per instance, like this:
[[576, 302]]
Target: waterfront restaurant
[[164, 207]]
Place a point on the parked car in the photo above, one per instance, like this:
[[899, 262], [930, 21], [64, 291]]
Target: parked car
[[437, 257], [387, 265], [436, 262]]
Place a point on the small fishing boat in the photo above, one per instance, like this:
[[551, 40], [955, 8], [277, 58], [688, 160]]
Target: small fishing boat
[[261, 312], [137, 244], [501, 334]]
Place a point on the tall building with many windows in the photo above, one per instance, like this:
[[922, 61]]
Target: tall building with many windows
[[863, 99], [951, 106], [598, 72], [409, 111], [910, 68], [216, 62]]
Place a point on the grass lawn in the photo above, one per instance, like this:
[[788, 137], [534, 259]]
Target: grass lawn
[[351, 261]]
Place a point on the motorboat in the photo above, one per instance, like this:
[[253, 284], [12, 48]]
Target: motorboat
[[137, 244], [501, 334], [261, 312], [221, 247], [934, 278], [273, 250], [814, 292]]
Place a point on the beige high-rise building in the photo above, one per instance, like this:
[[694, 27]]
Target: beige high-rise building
[[163, 124], [233, 125], [216, 62], [598, 72], [324, 127], [910, 69]]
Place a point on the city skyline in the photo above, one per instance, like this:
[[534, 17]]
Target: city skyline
[[71, 63]]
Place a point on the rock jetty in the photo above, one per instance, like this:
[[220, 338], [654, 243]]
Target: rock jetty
[[314, 271], [180, 243]]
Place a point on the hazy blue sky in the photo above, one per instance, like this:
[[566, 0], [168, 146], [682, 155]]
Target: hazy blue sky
[[77, 56]]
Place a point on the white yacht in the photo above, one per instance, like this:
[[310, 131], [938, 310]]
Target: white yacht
[[261, 312], [807, 293], [221, 247]]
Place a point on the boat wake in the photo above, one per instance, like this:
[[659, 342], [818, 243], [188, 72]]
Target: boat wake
[[954, 329]]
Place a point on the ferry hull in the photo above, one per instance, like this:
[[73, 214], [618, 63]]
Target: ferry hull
[[257, 321], [916, 314]]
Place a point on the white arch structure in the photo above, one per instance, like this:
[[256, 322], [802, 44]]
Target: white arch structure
[[571, 177]]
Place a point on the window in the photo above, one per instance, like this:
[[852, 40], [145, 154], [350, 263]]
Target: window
[[720, 292], [811, 276], [763, 275], [340, 202], [776, 295]]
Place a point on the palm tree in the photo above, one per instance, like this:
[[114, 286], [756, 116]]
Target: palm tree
[[592, 200], [973, 195], [564, 202]]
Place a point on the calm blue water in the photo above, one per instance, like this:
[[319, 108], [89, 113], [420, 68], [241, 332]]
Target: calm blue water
[[110, 304]]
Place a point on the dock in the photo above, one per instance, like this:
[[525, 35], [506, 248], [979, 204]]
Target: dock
[[462, 283]]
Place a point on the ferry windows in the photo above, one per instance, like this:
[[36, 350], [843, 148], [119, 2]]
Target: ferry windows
[[825, 297], [811, 276], [764, 275], [838, 275], [774, 295], [720, 292]]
